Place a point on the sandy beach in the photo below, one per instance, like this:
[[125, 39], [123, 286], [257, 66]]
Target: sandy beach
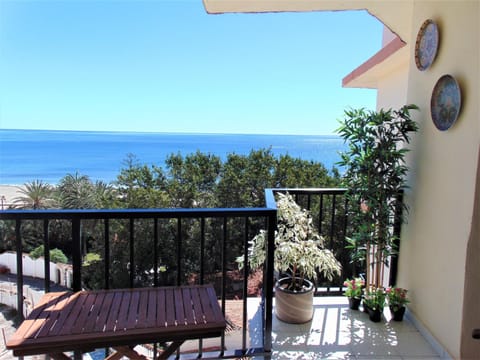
[[7, 194]]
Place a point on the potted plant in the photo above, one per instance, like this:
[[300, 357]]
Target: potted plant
[[375, 171], [299, 255], [397, 299], [353, 291], [374, 302]]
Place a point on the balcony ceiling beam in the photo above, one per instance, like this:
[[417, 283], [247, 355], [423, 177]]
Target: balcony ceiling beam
[[395, 14]]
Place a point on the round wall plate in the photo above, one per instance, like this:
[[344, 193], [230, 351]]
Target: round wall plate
[[446, 102], [426, 45]]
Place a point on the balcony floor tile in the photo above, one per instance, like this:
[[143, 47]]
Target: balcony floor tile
[[336, 332]]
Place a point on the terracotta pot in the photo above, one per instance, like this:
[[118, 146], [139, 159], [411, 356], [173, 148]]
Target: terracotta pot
[[354, 303], [295, 307], [398, 314]]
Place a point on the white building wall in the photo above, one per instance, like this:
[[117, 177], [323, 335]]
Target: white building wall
[[31, 267]]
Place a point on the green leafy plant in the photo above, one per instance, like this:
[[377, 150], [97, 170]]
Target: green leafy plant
[[299, 249], [91, 258], [374, 177], [56, 255], [354, 287], [374, 298], [397, 297]]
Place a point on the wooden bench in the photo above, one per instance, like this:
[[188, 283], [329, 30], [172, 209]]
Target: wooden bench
[[118, 319]]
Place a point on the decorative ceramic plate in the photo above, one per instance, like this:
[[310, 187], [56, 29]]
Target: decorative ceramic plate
[[446, 102], [426, 45]]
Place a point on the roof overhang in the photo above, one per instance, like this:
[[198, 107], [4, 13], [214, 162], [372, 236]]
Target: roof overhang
[[392, 56], [392, 13]]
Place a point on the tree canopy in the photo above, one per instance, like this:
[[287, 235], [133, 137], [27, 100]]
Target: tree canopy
[[196, 180]]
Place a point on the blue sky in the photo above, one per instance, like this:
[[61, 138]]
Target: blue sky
[[168, 66]]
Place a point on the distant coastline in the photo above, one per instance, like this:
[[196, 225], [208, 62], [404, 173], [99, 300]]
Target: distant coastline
[[60, 131], [27, 155]]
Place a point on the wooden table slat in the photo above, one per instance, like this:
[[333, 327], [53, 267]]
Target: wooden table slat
[[217, 312], [123, 313], [113, 313], [84, 313], [133, 310], [197, 307], [77, 306], [142, 310], [170, 307], [207, 310], [187, 305], [161, 308], [112, 318], [34, 322], [152, 308], [53, 313], [66, 306], [179, 311], [102, 314], [94, 315]]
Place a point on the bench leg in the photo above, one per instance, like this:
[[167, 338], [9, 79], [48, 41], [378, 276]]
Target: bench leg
[[170, 349], [125, 351], [59, 356]]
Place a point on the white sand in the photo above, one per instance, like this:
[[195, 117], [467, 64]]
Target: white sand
[[7, 194]]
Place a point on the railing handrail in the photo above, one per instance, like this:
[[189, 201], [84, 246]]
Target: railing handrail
[[136, 213], [69, 214], [321, 190]]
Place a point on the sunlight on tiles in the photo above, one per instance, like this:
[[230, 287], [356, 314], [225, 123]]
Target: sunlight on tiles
[[336, 332]]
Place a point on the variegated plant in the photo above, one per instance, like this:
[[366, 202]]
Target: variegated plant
[[299, 249]]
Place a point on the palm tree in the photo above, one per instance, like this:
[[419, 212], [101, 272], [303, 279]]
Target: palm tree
[[76, 192], [35, 195], [104, 194]]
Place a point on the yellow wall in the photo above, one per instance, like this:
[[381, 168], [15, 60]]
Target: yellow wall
[[392, 88], [392, 91], [434, 242]]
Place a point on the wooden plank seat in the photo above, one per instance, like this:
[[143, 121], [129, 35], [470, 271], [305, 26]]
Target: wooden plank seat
[[118, 319]]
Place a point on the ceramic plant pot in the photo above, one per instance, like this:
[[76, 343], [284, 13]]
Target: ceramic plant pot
[[295, 307]]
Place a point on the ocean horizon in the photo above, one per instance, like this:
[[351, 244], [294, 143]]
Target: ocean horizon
[[49, 155]]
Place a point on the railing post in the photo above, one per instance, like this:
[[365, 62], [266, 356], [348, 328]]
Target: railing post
[[246, 270], [132, 253], [155, 252], [179, 250], [19, 249], [106, 255], [224, 277], [46, 255], [76, 255], [268, 290]]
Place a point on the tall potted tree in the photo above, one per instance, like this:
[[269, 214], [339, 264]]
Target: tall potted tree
[[299, 256], [374, 177]]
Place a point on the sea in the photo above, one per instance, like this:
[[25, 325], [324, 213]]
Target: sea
[[27, 155]]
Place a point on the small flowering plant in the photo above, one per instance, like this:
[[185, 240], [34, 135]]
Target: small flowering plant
[[397, 297], [354, 287], [374, 298]]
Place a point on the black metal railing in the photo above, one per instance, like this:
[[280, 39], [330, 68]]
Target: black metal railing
[[329, 208], [219, 221], [136, 246]]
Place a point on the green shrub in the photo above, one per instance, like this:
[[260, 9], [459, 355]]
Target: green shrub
[[56, 255]]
